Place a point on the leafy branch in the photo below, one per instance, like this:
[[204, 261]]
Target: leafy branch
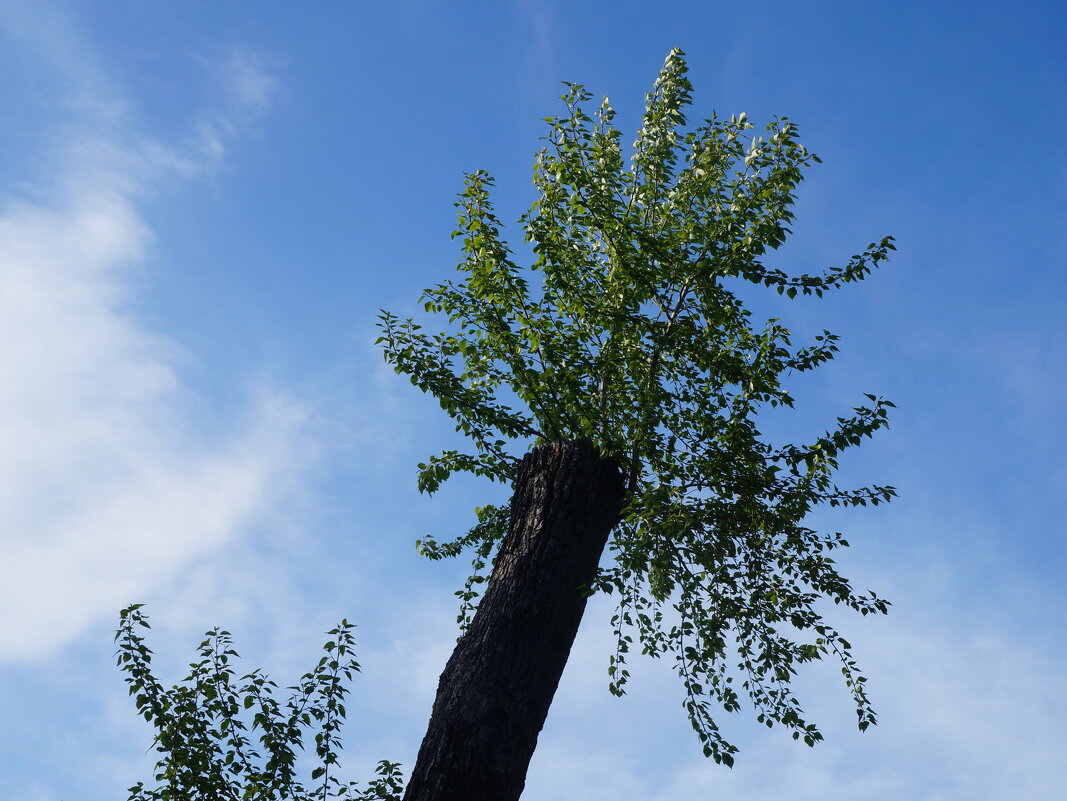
[[203, 724]]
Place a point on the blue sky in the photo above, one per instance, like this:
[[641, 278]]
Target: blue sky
[[202, 208]]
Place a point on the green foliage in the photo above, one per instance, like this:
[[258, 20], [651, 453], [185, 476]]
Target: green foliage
[[205, 724], [627, 329]]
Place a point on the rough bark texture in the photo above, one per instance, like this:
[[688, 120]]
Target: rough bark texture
[[495, 691]]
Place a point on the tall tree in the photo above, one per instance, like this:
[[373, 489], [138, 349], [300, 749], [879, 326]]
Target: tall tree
[[626, 356]]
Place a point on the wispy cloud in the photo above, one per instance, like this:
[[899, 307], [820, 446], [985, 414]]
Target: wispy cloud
[[112, 481], [248, 85], [47, 32]]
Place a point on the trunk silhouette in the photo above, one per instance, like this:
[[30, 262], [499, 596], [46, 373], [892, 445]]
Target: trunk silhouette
[[496, 689]]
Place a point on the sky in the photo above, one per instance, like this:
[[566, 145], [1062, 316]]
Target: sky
[[204, 205]]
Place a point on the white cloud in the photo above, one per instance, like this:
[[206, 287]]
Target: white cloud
[[111, 483], [968, 709], [250, 84], [963, 716], [249, 88]]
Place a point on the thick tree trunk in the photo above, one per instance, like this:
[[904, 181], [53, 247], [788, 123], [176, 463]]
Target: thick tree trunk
[[495, 691]]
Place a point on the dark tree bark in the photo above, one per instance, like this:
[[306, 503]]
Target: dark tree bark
[[495, 691]]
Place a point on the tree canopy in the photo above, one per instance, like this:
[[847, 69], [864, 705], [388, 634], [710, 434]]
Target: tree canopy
[[628, 328]]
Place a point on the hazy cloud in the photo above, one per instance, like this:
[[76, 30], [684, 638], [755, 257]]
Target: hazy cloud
[[967, 709], [111, 483]]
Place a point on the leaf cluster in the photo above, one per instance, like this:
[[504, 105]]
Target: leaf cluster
[[628, 328], [227, 738]]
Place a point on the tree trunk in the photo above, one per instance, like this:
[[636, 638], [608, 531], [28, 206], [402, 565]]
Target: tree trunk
[[495, 691]]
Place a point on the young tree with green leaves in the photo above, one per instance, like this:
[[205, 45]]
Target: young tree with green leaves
[[624, 355], [222, 737]]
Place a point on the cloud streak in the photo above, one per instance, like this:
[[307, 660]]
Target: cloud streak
[[112, 484]]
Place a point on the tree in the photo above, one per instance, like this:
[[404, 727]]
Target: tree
[[626, 356], [203, 724]]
